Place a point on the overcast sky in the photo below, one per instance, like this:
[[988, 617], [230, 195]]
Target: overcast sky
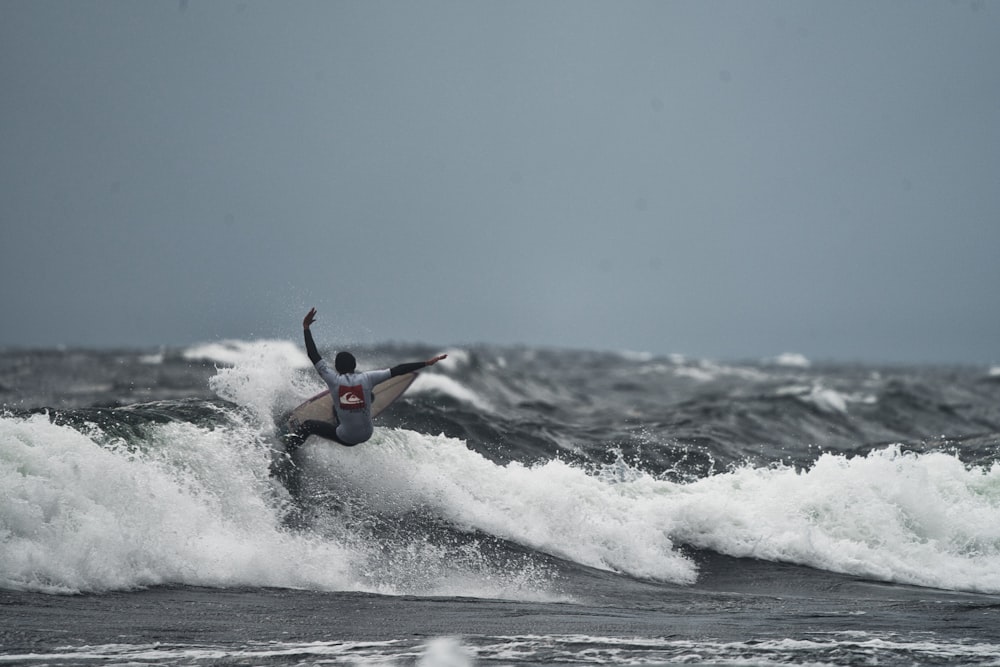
[[716, 179]]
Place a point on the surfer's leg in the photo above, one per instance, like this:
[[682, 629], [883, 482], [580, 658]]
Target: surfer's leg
[[322, 429], [295, 439]]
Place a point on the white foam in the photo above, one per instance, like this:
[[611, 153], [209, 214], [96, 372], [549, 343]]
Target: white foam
[[636, 356], [826, 399], [555, 507], [708, 371], [695, 373], [923, 519], [265, 383], [152, 359], [195, 506], [432, 652], [191, 508], [234, 352], [791, 360], [822, 648], [434, 383]]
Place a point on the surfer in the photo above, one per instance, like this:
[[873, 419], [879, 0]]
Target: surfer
[[351, 391]]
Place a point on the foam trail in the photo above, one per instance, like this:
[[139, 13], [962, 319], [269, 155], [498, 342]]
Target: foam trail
[[555, 508]]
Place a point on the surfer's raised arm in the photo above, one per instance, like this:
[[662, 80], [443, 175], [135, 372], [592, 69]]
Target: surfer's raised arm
[[310, 343]]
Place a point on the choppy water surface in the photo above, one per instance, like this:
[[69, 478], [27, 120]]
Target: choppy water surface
[[517, 506]]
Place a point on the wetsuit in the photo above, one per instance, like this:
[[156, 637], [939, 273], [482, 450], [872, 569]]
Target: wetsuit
[[352, 399]]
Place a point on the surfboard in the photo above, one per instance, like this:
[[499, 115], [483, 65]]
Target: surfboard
[[320, 406]]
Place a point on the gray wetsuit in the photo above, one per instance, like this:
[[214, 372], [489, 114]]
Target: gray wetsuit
[[352, 400]]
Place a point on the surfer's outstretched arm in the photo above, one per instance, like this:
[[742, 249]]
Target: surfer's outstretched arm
[[403, 369]]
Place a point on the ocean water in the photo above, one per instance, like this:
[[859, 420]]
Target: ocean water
[[519, 506]]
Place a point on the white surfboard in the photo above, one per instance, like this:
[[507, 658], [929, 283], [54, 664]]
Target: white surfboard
[[320, 406]]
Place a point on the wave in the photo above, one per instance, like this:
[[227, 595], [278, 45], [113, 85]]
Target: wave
[[178, 492], [824, 398], [191, 505], [194, 505], [903, 517], [443, 385], [81, 517]]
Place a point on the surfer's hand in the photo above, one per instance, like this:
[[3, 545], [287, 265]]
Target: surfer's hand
[[309, 318], [431, 362]]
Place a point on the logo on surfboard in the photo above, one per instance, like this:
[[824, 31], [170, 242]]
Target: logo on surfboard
[[351, 398]]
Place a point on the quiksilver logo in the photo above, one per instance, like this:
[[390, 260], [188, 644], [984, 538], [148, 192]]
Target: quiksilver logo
[[352, 398]]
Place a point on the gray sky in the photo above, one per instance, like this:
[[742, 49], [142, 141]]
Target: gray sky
[[719, 179]]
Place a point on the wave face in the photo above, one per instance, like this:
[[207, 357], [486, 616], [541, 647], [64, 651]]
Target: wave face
[[510, 473]]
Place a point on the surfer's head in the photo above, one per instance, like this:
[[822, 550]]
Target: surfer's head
[[345, 362]]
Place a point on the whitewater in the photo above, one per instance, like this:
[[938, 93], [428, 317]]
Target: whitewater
[[517, 506]]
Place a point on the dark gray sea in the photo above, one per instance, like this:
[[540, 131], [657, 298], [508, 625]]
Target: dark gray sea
[[518, 506]]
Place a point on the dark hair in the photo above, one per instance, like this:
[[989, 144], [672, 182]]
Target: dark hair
[[345, 362]]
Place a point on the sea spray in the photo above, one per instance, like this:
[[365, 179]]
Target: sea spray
[[183, 508], [552, 507], [265, 378], [194, 505]]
